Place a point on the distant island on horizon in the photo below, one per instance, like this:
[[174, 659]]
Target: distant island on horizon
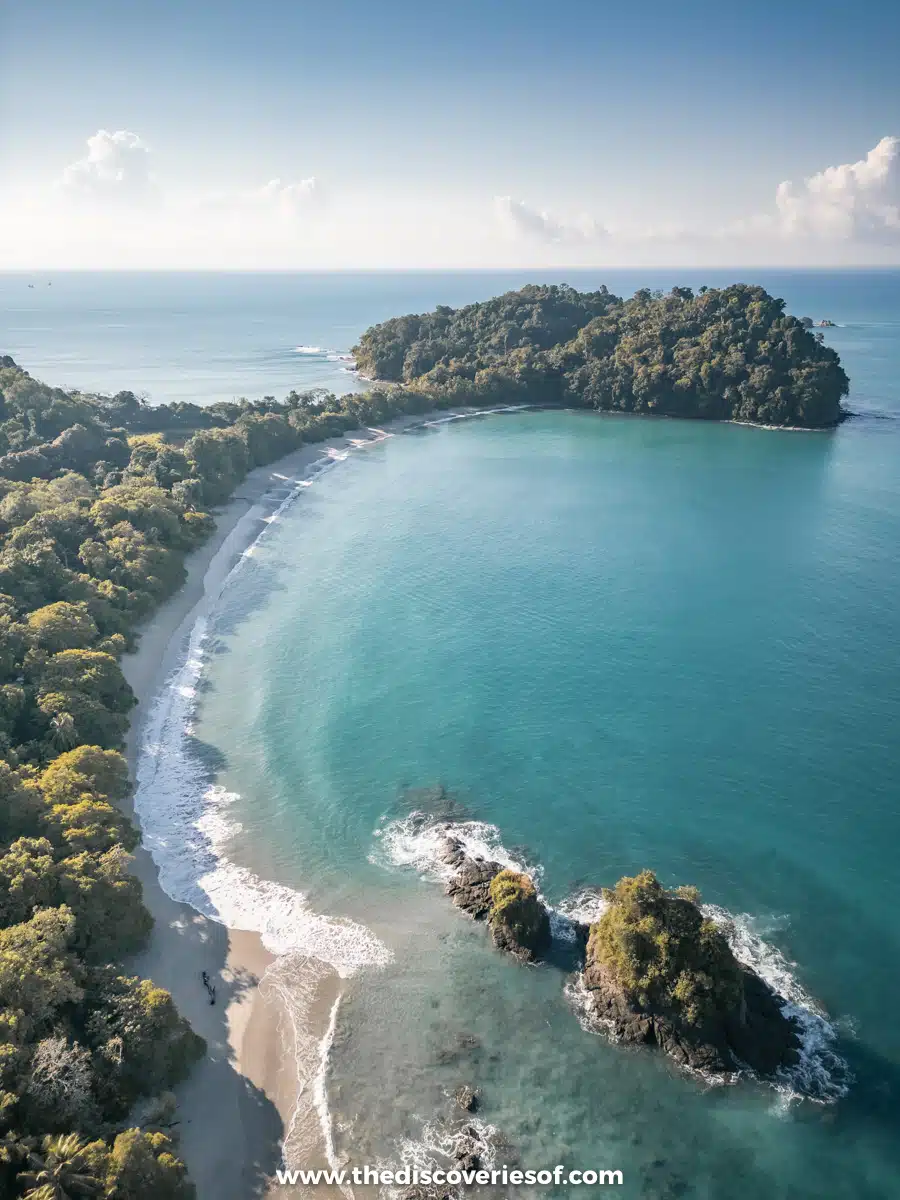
[[725, 354]]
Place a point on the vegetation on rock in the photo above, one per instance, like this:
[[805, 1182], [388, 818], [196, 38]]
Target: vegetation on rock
[[518, 919], [662, 952], [657, 971], [724, 354]]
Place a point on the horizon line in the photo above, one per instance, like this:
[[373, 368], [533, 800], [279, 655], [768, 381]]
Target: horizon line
[[226, 270]]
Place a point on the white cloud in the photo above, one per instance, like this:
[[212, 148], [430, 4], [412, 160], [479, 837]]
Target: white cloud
[[292, 199], [290, 202], [117, 165], [852, 200], [847, 205], [98, 214], [520, 221]]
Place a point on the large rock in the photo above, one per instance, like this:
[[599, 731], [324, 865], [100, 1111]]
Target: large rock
[[470, 887], [487, 891], [519, 922], [658, 973]]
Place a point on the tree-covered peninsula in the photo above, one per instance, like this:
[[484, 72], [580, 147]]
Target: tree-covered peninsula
[[720, 354]]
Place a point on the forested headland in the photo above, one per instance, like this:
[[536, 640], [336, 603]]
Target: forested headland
[[720, 354]]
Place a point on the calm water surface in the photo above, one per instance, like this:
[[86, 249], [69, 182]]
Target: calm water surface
[[624, 643], [207, 336], [621, 643]]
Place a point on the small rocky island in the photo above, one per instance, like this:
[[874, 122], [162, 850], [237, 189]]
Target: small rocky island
[[654, 970], [657, 972], [507, 899]]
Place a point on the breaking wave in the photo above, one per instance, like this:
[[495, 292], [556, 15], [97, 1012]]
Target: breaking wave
[[821, 1074], [416, 841], [324, 353], [188, 827], [441, 1145]]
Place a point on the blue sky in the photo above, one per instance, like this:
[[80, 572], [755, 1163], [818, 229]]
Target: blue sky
[[412, 134]]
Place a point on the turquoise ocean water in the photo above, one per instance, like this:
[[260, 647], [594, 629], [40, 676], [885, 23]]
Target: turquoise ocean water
[[619, 643]]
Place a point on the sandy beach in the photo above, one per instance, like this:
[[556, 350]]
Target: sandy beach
[[257, 1085]]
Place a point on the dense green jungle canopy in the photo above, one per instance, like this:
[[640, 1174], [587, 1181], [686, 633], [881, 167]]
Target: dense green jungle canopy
[[722, 354]]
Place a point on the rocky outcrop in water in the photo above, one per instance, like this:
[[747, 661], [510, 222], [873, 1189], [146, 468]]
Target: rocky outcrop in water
[[506, 899], [519, 922], [658, 973], [470, 886]]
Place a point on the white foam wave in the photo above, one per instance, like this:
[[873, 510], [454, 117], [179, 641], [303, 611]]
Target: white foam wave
[[584, 906], [417, 841], [311, 350], [479, 412], [296, 982], [440, 1145], [320, 1093], [821, 1073], [188, 829]]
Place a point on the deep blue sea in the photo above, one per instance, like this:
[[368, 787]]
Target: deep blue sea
[[618, 643]]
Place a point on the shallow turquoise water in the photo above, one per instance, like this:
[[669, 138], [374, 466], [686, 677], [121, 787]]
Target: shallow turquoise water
[[624, 643]]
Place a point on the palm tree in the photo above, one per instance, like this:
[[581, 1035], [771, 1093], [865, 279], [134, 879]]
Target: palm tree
[[12, 1148], [45, 1192], [62, 731], [62, 1173]]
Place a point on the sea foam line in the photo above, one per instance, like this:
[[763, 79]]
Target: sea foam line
[[481, 412], [185, 819], [821, 1074], [187, 828]]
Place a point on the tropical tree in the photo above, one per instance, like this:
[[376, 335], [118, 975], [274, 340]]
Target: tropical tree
[[61, 1171]]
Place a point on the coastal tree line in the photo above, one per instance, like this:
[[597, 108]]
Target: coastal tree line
[[101, 499]]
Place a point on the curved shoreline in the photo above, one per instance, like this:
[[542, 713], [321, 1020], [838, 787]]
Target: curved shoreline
[[255, 1088], [243, 1099]]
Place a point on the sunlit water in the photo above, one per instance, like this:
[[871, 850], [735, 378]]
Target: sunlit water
[[620, 643], [623, 643]]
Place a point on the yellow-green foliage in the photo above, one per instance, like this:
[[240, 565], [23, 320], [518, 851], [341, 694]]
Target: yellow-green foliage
[[508, 890], [661, 950]]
